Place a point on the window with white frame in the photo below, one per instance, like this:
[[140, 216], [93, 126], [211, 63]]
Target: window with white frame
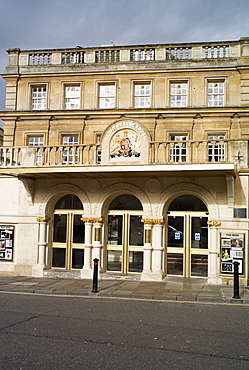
[[142, 95], [178, 94], [178, 150], [72, 97], [70, 151], [107, 96], [37, 141], [216, 148], [216, 93], [39, 97]]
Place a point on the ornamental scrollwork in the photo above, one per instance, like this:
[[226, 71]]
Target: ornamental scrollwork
[[148, 221], [42, 219], [214, 223], [92, 220]]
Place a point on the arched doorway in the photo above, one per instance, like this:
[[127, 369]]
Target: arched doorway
[[187, 237], [125, 237], [68, 234]]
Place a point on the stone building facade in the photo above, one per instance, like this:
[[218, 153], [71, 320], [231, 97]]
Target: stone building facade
[[135, 155]]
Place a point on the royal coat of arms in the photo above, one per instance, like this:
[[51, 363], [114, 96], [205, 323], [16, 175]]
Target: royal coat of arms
[[125, 143]]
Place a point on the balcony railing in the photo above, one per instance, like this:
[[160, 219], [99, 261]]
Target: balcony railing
[[49, 155], [168, 152], [205, 151]]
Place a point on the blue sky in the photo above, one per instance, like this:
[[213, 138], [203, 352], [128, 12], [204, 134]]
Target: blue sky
[[35, 24]]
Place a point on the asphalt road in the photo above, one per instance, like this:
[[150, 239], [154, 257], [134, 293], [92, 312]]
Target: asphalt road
[[48, 332]]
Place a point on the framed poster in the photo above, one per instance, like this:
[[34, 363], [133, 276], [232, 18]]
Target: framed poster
[[6, 242], [231, 250]]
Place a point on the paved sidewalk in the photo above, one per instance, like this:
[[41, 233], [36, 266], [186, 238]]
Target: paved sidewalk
[[173, 289]]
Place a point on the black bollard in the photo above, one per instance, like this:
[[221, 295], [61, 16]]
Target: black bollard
[[95, 275], [236, 281]]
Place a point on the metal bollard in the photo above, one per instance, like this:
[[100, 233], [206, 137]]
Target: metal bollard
[[236, 281], [95, 275]]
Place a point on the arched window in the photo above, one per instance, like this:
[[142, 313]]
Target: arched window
[[68, 234], [188, 203], [70, 201], [126, 202], [125, 235]]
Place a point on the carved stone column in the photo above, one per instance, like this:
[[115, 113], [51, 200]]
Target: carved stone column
[[97, 240], [147, 249], [42, 243], [157, 254], [86, 271], [214, 251]]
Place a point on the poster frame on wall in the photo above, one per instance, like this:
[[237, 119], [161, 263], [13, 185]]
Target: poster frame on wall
[[7, 233], [232, 249]]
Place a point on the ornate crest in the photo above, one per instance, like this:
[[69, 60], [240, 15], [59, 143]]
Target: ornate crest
[[125, 143]]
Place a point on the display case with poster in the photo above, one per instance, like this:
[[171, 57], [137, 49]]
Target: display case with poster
[[6, 242], [232, 249]]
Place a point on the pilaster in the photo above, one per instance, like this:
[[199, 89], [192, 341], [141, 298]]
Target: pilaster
[[42, 244], [86, 271], [214, 251], [147, 249]]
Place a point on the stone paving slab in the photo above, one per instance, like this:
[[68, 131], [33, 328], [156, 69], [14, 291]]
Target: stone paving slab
[[190, 290], [165, 297]]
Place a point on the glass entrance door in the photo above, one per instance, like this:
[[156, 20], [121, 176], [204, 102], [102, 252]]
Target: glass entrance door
[[187, 244], [125, 242], [68, 240]]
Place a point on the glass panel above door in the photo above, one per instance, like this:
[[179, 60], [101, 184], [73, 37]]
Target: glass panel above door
[[187, 203], [70, 201], [126, 202]]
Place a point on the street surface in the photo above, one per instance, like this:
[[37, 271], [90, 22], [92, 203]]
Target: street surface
[[53, 332]]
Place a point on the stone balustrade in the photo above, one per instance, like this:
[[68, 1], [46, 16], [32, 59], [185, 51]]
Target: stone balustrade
[[69, 155], [137, 55], [167, 152], [72, 57], [215, 51], [169, 53], [205, 151], [38, 59], [179, 53]]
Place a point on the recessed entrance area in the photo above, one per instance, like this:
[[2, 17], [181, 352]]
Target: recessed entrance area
[[187, 237], [68, 234], [125, 237]]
